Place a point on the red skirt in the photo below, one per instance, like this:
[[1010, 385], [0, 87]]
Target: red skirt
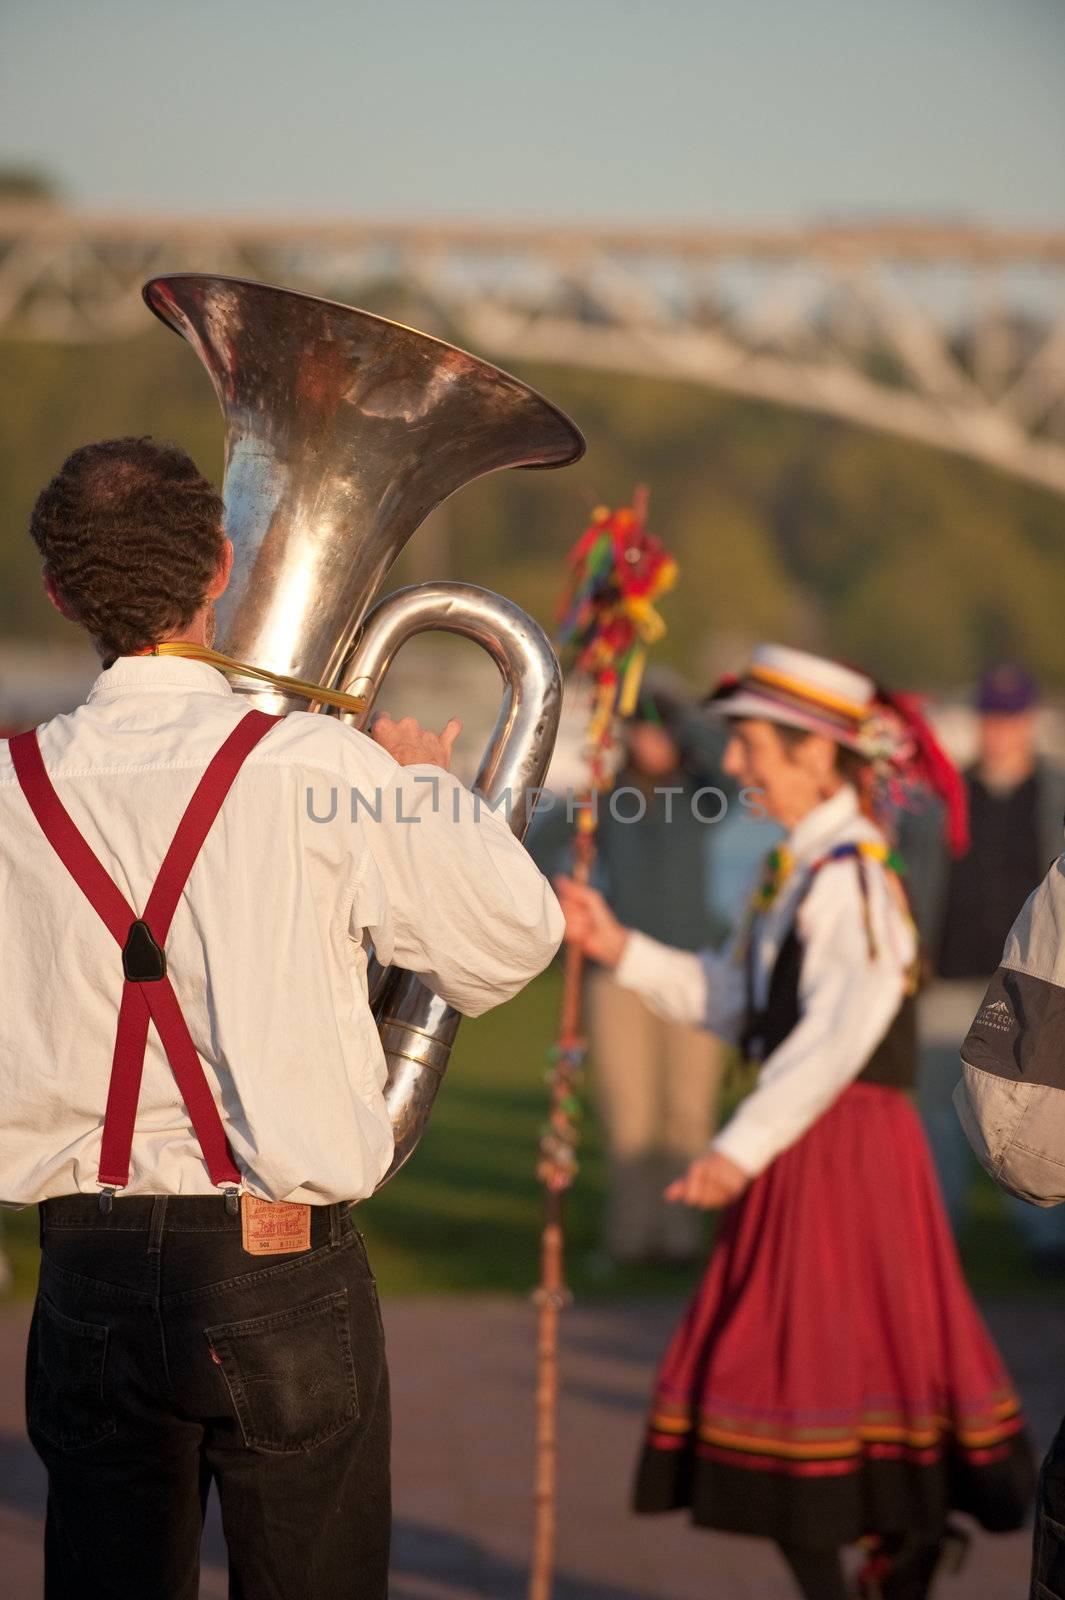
[[832, 1377]]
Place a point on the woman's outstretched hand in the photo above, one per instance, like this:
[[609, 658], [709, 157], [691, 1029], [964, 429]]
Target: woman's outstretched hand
[[590, 923], [712, 1180]]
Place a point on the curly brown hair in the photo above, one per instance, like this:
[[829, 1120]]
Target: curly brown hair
[[131, 535]]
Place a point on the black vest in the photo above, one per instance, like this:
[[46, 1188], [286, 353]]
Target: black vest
[[893, 1064]]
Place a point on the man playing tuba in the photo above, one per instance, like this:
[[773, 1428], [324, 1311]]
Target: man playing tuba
[[190, 1070]]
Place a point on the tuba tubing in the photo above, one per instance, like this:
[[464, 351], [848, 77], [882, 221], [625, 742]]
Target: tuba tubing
[[416, 1027]]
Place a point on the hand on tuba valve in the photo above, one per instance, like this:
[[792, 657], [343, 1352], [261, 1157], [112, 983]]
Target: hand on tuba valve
[[412, 745]]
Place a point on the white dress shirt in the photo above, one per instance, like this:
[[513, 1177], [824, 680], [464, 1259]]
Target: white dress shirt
[[848, 997], [268, 947]]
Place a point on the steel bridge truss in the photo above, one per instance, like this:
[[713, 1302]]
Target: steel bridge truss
[[949, 335]]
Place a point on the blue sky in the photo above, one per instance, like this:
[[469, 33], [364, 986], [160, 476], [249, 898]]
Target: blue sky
[[680, 110]]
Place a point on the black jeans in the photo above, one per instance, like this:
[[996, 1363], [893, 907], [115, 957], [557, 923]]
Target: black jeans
[[1048, 1556], [162, 1356]]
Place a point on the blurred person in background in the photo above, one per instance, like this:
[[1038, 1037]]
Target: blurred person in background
[[657, 1081], [966, 907], [6, 1274], [1011, 1103], [832, 1380]]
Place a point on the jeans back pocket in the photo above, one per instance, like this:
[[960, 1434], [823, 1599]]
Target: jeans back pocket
[[65, 1380], [290, 1374]]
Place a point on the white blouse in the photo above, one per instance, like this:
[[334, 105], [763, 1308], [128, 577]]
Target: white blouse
[[848, 994]]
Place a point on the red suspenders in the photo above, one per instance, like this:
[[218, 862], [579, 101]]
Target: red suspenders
[[147, 992]]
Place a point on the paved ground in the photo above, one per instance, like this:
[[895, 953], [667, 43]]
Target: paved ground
[[462, 1377]]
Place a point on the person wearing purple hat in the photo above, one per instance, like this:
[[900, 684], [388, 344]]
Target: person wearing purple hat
[[966, 907]]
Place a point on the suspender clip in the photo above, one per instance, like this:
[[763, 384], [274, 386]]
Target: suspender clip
[[107, 1199], [232, 1202]]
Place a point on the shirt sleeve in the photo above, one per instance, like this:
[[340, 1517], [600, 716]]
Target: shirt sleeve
[[446, 890], [848, 997], [704, 988]]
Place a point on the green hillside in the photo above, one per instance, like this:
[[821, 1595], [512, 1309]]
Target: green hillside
[[918, 564]]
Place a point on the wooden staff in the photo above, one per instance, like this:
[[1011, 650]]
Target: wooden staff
[[619, 570], [553, 1293]]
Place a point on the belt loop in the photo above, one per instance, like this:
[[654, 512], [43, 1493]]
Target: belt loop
[[155, 1226], [336, 1223]]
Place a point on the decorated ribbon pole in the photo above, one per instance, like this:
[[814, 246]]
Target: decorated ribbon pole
[[607, 619]]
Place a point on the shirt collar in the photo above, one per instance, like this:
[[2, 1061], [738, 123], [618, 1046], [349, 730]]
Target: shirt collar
[[163, 674], [824, 823]]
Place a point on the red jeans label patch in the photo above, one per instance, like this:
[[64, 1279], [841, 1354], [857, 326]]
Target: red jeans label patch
[[274, 1227]]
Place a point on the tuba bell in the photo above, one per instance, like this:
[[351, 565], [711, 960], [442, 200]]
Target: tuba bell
[[342, 432]]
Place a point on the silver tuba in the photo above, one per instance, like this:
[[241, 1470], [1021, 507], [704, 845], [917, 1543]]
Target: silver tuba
[[343, 431]]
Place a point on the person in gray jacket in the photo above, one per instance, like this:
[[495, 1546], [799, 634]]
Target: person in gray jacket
[[1011, 1103], [964, 908]]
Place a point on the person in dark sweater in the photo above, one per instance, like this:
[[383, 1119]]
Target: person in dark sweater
[[966, 907]]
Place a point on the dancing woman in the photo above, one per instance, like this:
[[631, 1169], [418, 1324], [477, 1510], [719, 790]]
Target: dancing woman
[[831, 1380]]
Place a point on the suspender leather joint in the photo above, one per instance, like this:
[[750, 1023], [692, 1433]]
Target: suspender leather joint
[[143, 959]]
